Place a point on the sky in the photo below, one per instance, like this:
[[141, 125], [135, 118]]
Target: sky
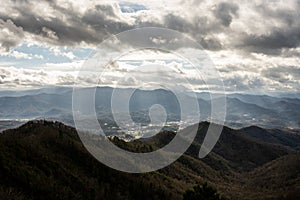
[[254, 45]]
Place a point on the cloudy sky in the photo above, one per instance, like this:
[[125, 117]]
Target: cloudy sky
[[255, 45]]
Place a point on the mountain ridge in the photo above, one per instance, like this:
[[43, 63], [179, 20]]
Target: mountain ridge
[[242, 110], [47, 158]]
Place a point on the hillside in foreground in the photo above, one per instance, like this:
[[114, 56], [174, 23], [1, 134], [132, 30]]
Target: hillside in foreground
[[46, 160]]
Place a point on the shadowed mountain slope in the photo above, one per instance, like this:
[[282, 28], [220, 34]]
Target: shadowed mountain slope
[[46, 160]]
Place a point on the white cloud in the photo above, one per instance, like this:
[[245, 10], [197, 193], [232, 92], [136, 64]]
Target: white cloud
[[58, 52], [63, 67], [254, 44], [16, 78], [21, 55]]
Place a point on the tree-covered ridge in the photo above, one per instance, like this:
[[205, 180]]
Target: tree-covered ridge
[[46, 160], [202, 192]]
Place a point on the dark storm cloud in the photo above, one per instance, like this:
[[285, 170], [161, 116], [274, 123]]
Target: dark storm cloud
[[66, 26], [279, 37], [104, 19], [274, 42], [288, 16], [225, 12], [65, 34], [177, 23], [71, 30], [10, 34], [210, 43], [197, 25], [283, 74], [200, 28]]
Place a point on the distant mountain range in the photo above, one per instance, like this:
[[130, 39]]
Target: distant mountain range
[[242, 109], [46, 160]]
